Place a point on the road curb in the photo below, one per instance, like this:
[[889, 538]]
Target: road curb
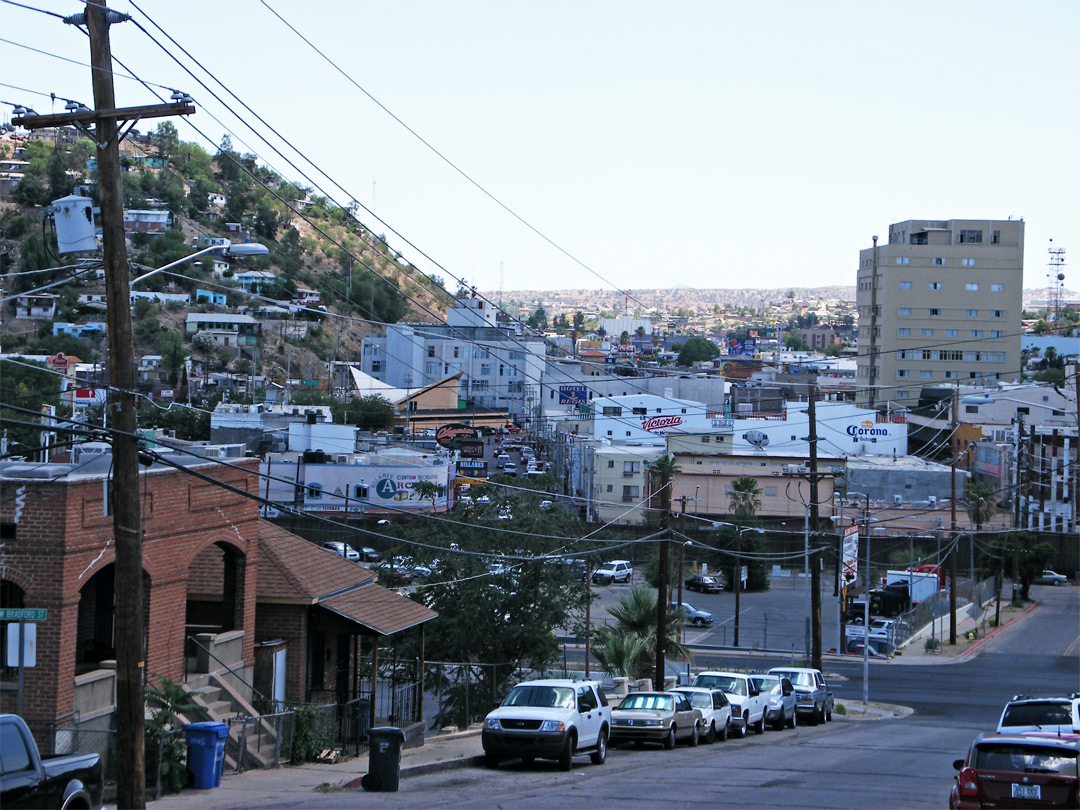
[[971, 650]]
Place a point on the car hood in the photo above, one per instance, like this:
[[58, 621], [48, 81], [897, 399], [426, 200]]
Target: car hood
[[530, 712], [638, 714]]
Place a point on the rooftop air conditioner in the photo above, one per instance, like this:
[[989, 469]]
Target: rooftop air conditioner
[[897, 499]]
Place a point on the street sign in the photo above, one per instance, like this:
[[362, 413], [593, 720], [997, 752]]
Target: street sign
[[27, 633], [23, 614]]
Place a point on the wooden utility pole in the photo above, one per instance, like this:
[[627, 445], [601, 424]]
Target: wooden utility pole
[[952, 503], [815, 611], [130, 627], [662, 585], [815, 574], [682, 559]]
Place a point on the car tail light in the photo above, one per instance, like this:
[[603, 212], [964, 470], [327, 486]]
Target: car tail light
[[969, 783]]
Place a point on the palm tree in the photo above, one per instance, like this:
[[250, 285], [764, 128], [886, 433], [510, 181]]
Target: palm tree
[[980, 503], [630, 646], [745, 497]]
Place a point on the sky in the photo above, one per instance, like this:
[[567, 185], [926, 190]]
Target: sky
[[622, 144]]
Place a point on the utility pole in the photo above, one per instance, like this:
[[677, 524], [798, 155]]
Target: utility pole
[[815, 574], [737, 578], [815, 611], [108, 121], [662, 586], [682, 560], [952, 503]]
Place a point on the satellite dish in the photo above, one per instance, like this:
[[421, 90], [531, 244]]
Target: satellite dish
[[757, 438]]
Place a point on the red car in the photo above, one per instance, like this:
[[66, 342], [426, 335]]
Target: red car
[[1011, 770]]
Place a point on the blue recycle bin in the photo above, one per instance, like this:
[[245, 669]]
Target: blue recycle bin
[[206, 752]]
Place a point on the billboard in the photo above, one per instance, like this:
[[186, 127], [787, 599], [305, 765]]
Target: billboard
[[573, 394], [850, 556], [452, 435], [356, 488], [471, 449]]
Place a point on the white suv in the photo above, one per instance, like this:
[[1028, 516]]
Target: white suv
[[614, 571], [1054, 714], [549, 719]]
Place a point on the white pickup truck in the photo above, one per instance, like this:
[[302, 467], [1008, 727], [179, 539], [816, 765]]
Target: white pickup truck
[[549, 719], [747, 704]]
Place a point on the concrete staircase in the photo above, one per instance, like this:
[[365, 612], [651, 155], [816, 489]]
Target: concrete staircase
[[252, 741]]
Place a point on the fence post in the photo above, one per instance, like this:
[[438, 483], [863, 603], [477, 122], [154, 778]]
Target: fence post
[[243, 745], [277, 738]]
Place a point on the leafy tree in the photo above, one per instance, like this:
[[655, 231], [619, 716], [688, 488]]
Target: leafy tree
[[166, 141], [60, 185], [205, 344], [1030, 555], [24, 384], [538, 320], [188, 424], [429, 491], [171, 348], [833, 350], [695, 350], [372, 412], [624, 338], [30, 191], [795, 343], [579, 321]]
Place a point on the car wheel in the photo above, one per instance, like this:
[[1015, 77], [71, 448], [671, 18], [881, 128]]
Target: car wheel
[[759, 726], [669, 740], [744, 725], [599, 756], [491, 760], [828, 714], [724, 731], [814, 716], [710, 735], [1056, 582], [566, 758], [794, 720], [697, 622], [695, 738], [779, 723]]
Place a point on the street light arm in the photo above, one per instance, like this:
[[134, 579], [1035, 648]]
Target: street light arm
[[243, 249]]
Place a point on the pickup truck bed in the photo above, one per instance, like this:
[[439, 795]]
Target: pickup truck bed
[[58, 782]]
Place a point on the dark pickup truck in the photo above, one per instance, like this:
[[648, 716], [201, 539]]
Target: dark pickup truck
[[29, 780]]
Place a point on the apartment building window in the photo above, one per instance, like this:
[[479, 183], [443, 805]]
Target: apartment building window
[[611, 464], [431, 369], [641, 411], [903, 354], [971, 313], [905, 285], [485, 370], [925, 375], [996, 333], [997, 313], [630, 493], [360, 491], [976, 333], [480, 354], [515, 387], [974, 357], [926, 332], [479, 385], [903, 331], [995, 357], [902, 311], [933, 285], [971, 237], [952, 333], [903, 260], [610, 487], [967, 262], [971, 286], [516, 355], [933, 312], [995, 238], [376, 366], [457, 352], [899, 395], [705, 439], [612, 410], [951, 355], [430, 351], [950, 375], [902, 372], [927, 354], [502, 369], [997, 288], [630, 468], [939, 262]]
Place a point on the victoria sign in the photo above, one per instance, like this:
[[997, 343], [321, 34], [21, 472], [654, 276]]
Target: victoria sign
[[452, 435]]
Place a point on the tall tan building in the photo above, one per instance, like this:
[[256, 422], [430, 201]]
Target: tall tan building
[[940, 301]]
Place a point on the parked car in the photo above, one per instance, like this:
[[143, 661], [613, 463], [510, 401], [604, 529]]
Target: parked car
[[704, 583], [1027, 713], [510, 469], [1017, 771], [812, 695], [715, 711], [855, 646], [747, 703], [342, 550], [662, 717], [501, 460], [546, 504], [1049, 577], [693, 616], [28, 779], [549, 719], [613, 571], [369, 554], [779, 694]]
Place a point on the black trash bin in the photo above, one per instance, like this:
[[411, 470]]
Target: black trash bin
[[384, 759]]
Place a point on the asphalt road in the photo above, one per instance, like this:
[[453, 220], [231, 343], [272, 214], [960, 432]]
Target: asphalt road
[[904, 762]]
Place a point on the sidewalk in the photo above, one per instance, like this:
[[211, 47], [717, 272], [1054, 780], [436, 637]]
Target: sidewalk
[[971, 632], [441, 753]]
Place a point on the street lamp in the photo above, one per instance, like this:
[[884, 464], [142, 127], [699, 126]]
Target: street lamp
[[866, 520], [240, 249], [737, 577]]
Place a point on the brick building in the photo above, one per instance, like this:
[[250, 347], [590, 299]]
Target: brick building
[[213, 573]]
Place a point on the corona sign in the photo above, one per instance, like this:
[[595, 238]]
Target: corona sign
[[866, 429]]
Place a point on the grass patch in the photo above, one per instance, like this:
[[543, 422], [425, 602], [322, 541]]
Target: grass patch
[[326, 787], [840, 709]]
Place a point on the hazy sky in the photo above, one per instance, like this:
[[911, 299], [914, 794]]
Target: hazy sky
[[707, 144]]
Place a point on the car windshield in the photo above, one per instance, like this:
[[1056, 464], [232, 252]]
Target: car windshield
[[800, 678], [663, 703], [766, 684], [1037, 714], [542, 696], [1025, 759], [725, 683], [699, 700]]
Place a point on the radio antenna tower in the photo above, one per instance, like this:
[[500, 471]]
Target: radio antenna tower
[[1055, 278]]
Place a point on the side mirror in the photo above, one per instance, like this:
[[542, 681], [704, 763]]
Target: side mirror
[[958, 764], [787, 691], [754, 693]]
